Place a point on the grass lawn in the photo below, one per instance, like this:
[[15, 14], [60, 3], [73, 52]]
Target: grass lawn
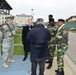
[[73, 31], [18, 39], [18, 50], [55, 53], [19, 31]]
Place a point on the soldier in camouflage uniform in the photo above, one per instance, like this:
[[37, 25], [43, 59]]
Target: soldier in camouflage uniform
[[62, 46], [52, 43], [8, 41]]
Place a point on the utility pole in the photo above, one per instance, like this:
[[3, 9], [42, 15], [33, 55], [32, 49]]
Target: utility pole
[[32, 13]]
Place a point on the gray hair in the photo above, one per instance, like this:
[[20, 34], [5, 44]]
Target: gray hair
[[40, 21]]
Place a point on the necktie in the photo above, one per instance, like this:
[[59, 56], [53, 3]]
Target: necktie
[[30, 27]]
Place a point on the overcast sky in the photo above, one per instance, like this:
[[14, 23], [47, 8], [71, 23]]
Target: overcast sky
[[42, 8]]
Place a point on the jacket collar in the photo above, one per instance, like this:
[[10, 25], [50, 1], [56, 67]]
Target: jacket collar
[[39, 25], [61, 27]]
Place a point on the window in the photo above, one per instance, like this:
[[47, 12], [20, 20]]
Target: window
[[2, 17], [2, 22]]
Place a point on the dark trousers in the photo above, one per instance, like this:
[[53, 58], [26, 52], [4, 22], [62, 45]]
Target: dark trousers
[[25, 54], [34, 67], [26, 51]]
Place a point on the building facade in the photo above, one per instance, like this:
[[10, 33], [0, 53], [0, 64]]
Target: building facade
[[2, 18], [19, 19], [22, 19], [71, 19]]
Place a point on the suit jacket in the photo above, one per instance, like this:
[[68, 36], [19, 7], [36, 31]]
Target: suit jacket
[[25, 42]]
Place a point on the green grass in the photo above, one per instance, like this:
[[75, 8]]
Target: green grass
[[19, 31], [73, 31], [18, 39], [55, 53], [18, 50]]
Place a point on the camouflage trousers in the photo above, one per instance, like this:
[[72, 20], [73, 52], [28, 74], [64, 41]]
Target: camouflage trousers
[[7, 48], [52, 48], [61, 49]]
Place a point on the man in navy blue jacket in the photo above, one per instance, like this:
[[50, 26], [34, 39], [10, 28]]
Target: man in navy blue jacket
[[38, 38]]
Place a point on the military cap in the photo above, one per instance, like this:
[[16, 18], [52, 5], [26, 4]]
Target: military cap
[[61, 20], [10, 17]]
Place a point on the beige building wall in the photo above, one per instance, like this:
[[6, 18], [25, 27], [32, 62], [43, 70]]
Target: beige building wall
[[2, 18], [22, 19], [72, 19], [19, 19]]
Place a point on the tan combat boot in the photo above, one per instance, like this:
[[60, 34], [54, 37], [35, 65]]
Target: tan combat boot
[[5, 65], [11, 61]]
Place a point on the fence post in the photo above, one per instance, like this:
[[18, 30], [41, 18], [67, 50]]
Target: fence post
[[0, 48]]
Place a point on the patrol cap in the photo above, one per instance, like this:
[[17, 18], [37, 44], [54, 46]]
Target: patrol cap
[[61, 20], [10, 17], [51, 20]]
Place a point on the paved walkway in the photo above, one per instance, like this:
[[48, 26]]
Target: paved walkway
[[23, 68]]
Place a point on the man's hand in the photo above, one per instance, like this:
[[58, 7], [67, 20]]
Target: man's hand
[[4, 27]]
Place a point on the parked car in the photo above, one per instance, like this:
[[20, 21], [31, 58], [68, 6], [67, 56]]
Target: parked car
[[73, 29]]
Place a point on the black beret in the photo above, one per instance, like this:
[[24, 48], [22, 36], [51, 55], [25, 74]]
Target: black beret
[[51, 20], [61, 20], [50, 16]]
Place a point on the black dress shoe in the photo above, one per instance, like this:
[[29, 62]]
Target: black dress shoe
[[24, 58], [56, 71], [47, 61], [59, 74], [49, 66]]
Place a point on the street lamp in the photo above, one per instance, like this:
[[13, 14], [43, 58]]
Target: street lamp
[[32, 13]]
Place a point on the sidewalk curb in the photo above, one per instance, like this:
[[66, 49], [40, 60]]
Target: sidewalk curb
[[70, 63]]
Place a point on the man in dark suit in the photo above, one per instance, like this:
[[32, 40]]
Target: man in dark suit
[[38, 37], [25, 31]]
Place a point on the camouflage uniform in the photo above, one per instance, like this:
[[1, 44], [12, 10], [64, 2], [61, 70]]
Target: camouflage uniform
[[62, 46], [8, 41], [52, 42]]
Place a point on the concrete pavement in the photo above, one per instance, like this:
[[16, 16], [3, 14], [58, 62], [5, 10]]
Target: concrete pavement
[[71, 53], [68, 70], [24, 68]]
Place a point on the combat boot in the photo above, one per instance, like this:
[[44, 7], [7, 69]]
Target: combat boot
[[50, 64], [11, 61], [5, 65], [59, 73], [47, 61]]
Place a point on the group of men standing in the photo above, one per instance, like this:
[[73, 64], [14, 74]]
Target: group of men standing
[[59, 41], [40, 41], [43, 42]]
